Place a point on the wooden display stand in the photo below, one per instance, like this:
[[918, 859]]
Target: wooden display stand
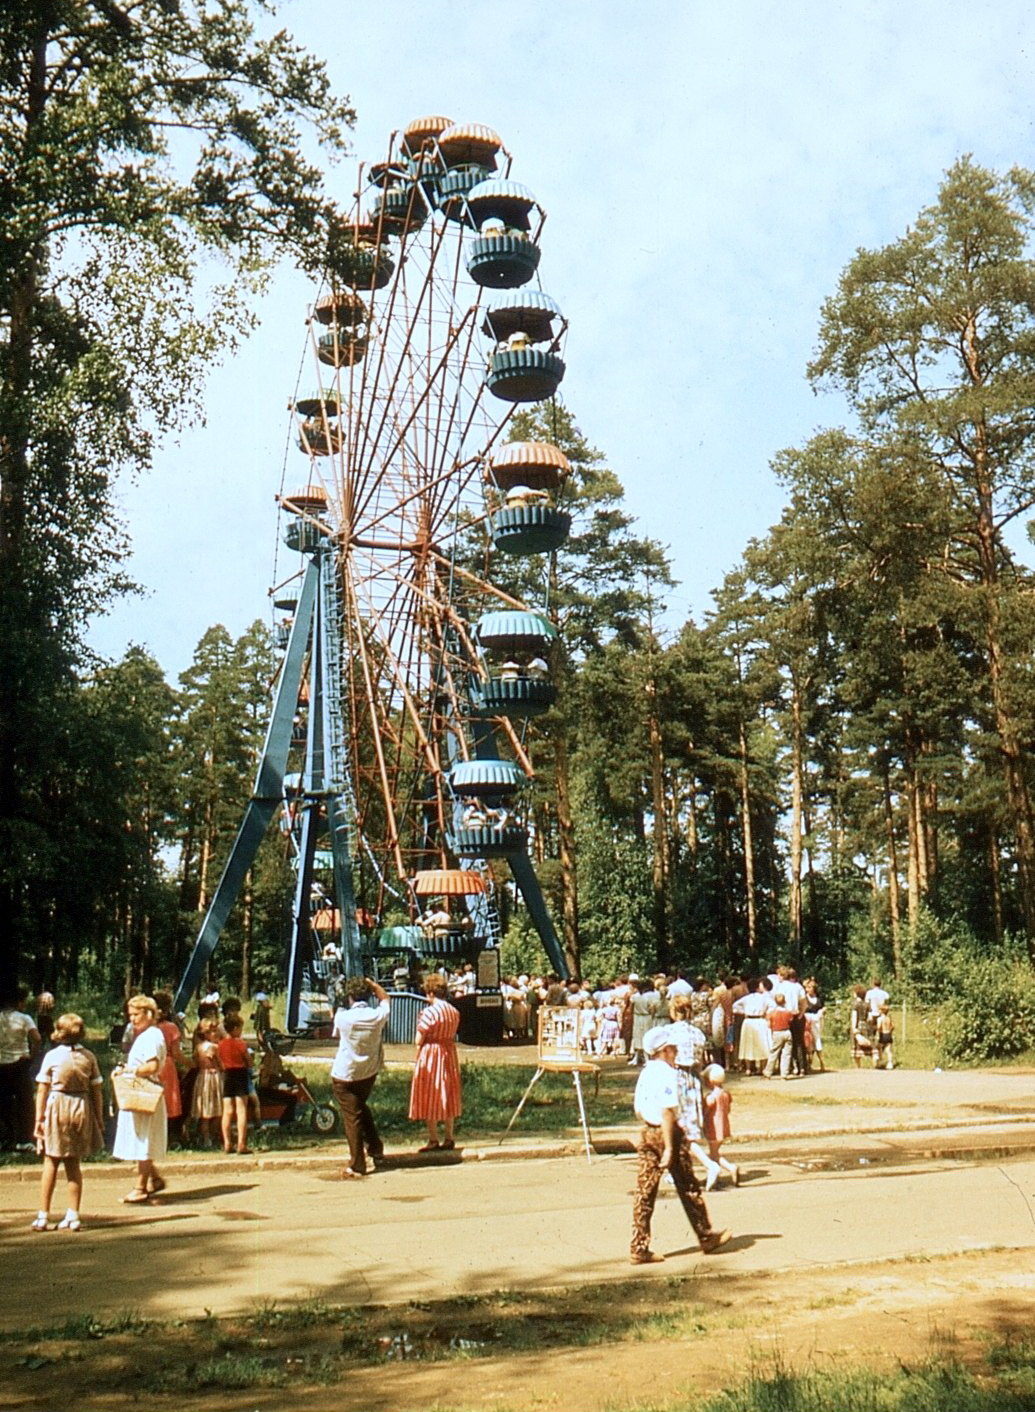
[[559, 1053]]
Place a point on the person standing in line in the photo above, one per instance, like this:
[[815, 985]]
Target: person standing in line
[[738, 988], [875, 997], [170, 1075], [643, 1006], [883, 1052], [435, 1087], [781, 1044], [143, 1137], [859, 1023], [794, 999], [69, 1118], [45, 1015], [662, 1147], [814, 1011], [207, 1087], [235, 1061], [753, 1051], [261, 1017], [359, 1028], [20, 1045]]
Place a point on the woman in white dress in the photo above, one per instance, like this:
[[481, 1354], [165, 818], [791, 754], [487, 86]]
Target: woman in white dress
[[141, 1137], [754, 1033]]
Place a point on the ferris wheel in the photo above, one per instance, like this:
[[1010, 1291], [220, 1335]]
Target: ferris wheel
[[409, 677]]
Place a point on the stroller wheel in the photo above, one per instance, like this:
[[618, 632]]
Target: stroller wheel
[[325, 1119]]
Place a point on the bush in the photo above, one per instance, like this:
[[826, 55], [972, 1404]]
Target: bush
[[989, 1010]]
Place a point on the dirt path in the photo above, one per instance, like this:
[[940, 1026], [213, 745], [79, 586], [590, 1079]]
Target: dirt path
[[704, 1340]]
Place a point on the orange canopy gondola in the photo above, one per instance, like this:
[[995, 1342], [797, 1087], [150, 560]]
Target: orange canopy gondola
[[326, 920], [448, 882]]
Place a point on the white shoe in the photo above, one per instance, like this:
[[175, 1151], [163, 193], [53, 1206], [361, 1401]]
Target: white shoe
[[713, 1176], [71, 1222]]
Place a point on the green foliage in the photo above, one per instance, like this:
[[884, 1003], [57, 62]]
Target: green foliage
[[934, 1386], [521, 952], [989, 1009], [148, 153]]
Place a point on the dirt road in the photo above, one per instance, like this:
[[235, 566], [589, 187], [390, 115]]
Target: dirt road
[[225, 1244]]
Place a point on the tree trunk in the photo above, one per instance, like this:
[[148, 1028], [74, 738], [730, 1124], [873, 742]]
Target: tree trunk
[[660, 845], [1006, 725], [794, 897], [995, 873], [692, 827], [749, 849], [893, 899], [23, 635], [566, 852]]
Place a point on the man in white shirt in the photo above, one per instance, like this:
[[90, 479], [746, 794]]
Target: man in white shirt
[[359, 1029], [680, 986], [661, 1147], [876, 996]]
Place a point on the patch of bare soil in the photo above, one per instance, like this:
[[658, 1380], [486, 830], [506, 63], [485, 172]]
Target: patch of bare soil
[[641, 1343]]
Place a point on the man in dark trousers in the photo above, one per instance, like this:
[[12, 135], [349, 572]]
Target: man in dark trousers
[[359, 1028]]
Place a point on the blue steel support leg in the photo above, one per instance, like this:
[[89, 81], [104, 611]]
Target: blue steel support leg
[[266, 795], [301, 919], [301, 947], [528, 883]]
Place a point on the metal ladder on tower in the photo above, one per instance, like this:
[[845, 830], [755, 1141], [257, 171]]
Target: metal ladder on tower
[[338, 782]]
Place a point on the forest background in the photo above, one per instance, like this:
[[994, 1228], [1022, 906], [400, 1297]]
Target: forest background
[[832, 767]]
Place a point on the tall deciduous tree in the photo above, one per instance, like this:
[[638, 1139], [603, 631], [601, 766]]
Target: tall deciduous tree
[[933, 339], [140, 143]]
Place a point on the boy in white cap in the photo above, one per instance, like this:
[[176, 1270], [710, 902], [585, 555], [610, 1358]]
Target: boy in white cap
[[661, 1147]]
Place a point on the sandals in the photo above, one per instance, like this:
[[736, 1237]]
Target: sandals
[[136, 1197], [41, 1223], [70, 1222]]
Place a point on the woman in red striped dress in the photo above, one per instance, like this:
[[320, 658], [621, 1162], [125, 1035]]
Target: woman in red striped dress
[[435, 1091]]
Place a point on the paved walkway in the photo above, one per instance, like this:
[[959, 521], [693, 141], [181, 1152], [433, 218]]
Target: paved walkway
[[228, 1241], [829, 1163]]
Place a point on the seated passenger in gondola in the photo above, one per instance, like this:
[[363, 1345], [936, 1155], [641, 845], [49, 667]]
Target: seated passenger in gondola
[[538, 669], [511, 671], [437, 922], [520, 496], [475, 815]]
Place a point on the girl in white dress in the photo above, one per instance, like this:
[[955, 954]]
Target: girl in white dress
[[141, 1137]]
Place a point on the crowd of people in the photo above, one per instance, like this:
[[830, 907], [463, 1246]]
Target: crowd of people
[[754, 1024], [684, 1034]]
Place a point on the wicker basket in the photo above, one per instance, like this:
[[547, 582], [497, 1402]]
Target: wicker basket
[[135, 1094]]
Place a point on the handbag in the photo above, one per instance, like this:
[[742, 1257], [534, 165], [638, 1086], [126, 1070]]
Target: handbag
[[135, 1094]]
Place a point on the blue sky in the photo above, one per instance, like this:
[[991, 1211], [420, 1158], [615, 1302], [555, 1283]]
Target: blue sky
[[708, 172]]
